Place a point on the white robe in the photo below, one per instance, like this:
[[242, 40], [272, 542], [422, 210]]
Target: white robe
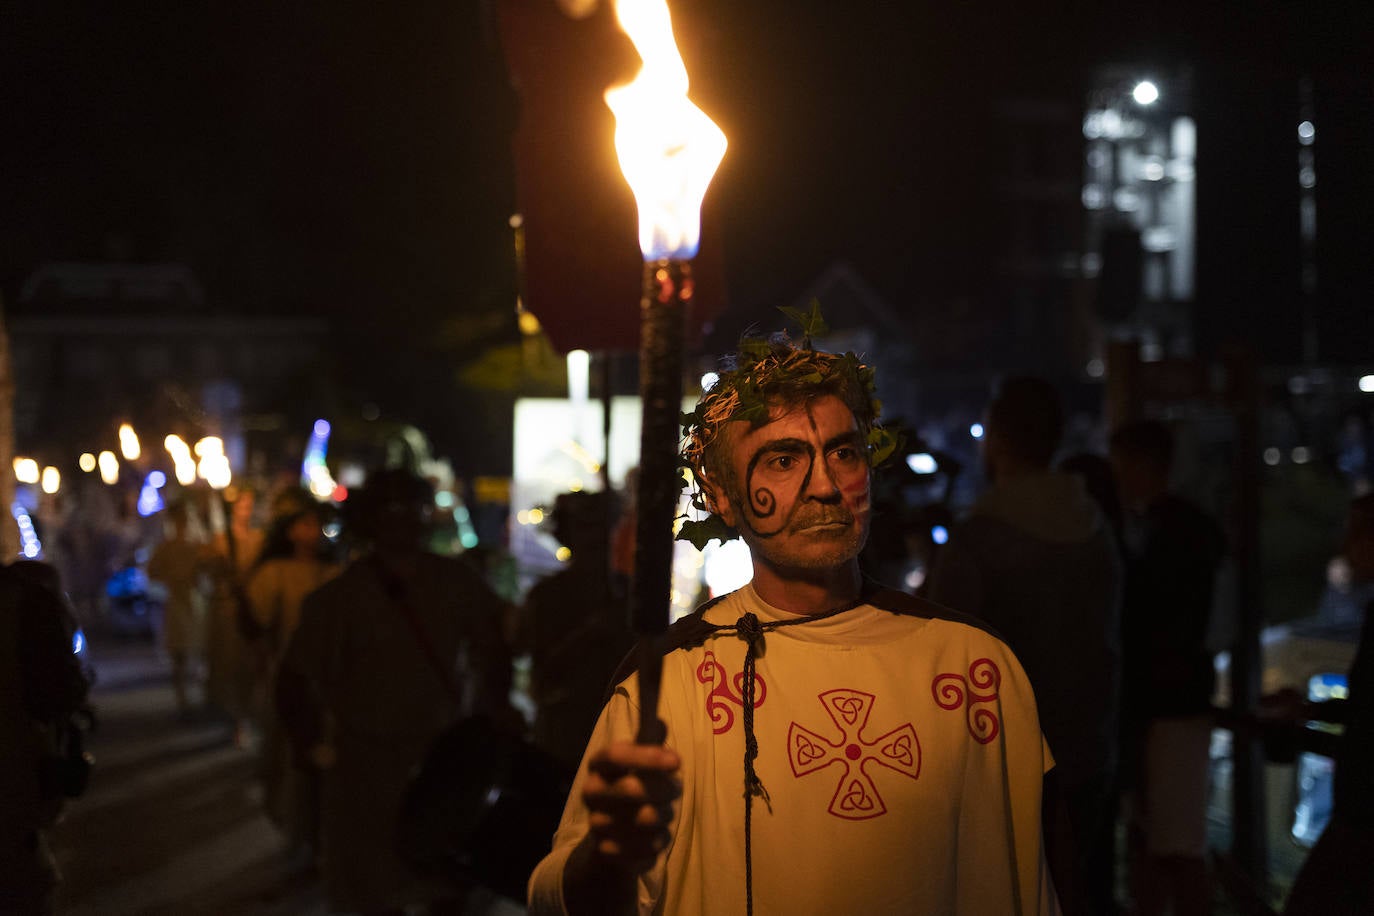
[[902, 754]]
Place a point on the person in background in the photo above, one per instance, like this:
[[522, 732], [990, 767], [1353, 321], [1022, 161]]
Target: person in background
[[41, 686], [178, 564], [1036, 560], [230, 681], [1336, 879], [1173, 553], [573, 625], [293, 564], [386, 656], [831, 746], [1099, 480]]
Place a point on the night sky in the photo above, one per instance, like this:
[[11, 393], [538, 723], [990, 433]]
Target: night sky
[[353, 160]]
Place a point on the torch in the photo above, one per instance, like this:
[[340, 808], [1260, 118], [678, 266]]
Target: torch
[[668, 151]]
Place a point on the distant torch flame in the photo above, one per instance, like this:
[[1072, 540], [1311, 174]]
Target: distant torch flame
[[668, 148]]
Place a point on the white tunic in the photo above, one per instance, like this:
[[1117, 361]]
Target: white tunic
[[903, 758]]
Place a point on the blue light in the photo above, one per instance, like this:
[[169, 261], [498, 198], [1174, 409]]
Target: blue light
[[149, 500], [976, 430], [157, 479], [78, 642], [322, 428], [939, 534], [29, 544]]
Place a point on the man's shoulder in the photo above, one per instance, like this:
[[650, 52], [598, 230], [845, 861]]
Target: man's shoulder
[[905, 604]]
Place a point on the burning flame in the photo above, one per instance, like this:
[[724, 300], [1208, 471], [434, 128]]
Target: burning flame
[[668, 148]]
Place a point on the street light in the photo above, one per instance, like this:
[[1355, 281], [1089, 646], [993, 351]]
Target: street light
[[1145, 93], [128, 442], [668, 150]]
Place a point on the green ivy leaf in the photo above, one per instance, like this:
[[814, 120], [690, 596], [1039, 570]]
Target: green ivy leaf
[[711, 528], [811, 321], [881, 445]]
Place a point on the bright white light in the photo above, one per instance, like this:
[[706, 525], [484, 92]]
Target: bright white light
[[921, 463], [210, 445], [128, 443], [109, 467], [1301, 455], [1307, 132], [214, 469], [86, 462], [52, 480], [939, 534], [176, 447], [1272, 456], [185, 471], [26, 470], [1145, 93], [320, 482], [579, 376], [709, 380], [976, 430], [1367, 383], [157, 479]]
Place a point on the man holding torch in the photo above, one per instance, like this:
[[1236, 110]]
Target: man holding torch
[[831, 746]]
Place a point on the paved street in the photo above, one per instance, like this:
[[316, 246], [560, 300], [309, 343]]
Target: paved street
[[171, 823]]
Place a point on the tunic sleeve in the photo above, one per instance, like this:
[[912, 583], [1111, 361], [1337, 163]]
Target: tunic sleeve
[[618, 722], [1007, 830]]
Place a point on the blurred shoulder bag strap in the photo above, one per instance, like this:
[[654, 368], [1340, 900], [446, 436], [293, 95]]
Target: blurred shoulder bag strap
[[395, 590]]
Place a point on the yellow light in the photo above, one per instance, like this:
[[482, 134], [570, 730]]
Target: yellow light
[[210, 445], [87, 462], [176, 447], [668, 148], [529, 325], [52, 479], [109, 467], [185, 469], [536, 516], [26, 470], [563, 554], [214, 468], [128, 443]]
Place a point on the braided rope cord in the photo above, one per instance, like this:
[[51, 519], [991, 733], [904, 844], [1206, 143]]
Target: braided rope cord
[[751, 631]]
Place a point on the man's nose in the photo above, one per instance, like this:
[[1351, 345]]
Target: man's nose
[[822, 486]]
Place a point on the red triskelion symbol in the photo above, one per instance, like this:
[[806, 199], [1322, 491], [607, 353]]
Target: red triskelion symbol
[[719, 699], [856, 797], [954, 690]]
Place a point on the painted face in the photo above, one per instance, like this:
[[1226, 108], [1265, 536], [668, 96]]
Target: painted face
[[801, 495]]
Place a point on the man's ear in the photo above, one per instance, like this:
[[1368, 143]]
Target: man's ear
[[717, 500]]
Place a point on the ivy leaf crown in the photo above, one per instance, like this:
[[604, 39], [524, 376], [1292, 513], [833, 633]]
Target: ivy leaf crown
[[767, 371]]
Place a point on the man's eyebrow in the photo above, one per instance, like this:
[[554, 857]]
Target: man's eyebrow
[[850, 438], [784, 446]]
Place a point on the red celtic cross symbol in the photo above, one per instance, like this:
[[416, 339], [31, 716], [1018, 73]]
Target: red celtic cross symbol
[[856, 797]]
